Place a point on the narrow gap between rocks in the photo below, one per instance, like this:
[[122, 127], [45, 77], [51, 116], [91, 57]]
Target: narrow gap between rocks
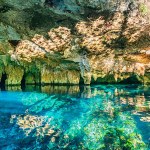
[[3, 79]]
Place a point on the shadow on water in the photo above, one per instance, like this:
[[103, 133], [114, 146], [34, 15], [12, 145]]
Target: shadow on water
[[75, 117]]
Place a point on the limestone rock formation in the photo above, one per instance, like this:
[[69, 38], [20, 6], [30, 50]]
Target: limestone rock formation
[[74, 47]]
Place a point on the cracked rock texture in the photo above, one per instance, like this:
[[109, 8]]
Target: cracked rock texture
[[74, 41]]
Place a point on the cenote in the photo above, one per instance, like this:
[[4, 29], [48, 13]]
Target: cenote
[[98, 117]]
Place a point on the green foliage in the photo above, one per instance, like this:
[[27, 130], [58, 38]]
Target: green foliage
[[143, 9]]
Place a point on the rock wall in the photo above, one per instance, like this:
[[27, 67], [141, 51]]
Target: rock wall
[[59, 77], [107, 48]]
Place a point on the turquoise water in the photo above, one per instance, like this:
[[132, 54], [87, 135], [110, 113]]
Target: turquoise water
[[100, 117]]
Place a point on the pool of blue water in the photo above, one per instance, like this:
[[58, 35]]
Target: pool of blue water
[[98, 117]]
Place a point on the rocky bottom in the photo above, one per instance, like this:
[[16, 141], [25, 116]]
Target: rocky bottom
[[75, 118]]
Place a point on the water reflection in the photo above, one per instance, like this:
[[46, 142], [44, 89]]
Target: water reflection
[[87, 117]]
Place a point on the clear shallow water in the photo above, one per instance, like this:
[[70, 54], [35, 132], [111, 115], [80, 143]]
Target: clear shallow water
[[101, 117]]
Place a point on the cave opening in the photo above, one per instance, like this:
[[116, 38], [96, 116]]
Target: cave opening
[[131, 80], [3, 79], [81, 81], [14, 42], [93, 81], [23, 83]]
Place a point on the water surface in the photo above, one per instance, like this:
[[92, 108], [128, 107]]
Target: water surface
[[100, 117]]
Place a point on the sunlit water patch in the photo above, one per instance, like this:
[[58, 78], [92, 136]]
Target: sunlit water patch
[[101, 117]]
